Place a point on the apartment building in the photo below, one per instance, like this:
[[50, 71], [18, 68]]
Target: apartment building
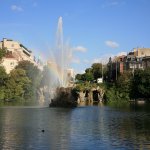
[[117, 64], [16, 52], [141, 52], [133, 61], [138, 58], [146, 62], [17, 49]]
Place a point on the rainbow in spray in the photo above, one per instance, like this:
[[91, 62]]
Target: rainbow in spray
[[59, 62]]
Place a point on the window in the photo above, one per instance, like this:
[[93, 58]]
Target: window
[[12, 45]]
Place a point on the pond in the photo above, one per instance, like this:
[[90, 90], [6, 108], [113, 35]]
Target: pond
[[81, 128]]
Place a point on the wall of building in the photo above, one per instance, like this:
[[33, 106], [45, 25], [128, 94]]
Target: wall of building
[[9, 64], [146, 62], [0, 44], [141, 52], [10, 44], [18, 53]]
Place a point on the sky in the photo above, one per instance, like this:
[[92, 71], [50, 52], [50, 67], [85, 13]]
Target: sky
[[95, 29]]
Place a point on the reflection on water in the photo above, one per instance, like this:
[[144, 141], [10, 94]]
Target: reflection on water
[[90, 127]]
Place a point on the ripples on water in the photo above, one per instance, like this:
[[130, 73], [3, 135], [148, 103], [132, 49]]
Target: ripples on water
[[82, 128]]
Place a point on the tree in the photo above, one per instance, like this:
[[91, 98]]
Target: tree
[[33, 73], [97, 70], [3, 78], [141, 84], [31, 70], [3, 52], [16, 84], [78, 77], [88, 70], [89, 74], [123, 84]]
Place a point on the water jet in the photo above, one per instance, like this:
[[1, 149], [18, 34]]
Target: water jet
[[63, 96]]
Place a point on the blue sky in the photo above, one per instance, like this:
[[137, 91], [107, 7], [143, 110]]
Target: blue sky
[[96, 29]]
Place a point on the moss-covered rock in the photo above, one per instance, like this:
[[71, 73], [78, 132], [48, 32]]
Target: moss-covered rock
[[65, 97]]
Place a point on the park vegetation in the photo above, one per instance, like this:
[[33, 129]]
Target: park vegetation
[[128, 86], [26, 79], [22, 83]]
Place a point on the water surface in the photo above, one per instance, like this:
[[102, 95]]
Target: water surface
[[82, 128]]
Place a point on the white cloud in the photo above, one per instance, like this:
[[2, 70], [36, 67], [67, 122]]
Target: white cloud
[[112, 44], [122, 53], [109, 4], [80, 49], [75, 60], [82, 71], [103, 59], [79, 71], [113, 3], [16, 8]]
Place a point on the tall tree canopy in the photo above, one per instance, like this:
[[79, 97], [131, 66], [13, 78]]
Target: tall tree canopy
[[3, 79], [141, 84], [16, 84], [97, 70], [33, 73]]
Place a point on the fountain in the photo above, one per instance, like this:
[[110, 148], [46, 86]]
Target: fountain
[[63, 95], [59, 61]]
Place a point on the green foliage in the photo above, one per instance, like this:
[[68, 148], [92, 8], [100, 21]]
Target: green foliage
[[31, 70], [16, 84], [120, 91], [21, 83], [3, 52], [34, 74], [113, 95], [2, 92], [124, 82], [141, 84], [78, 77], [130, 87], [125, 88], [80, 87], [92, 73], [97, 70], [3, 76], [89, 76], [81, 77]]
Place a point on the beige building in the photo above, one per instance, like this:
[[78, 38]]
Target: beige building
[[19, 51], [141, 52], [9, 63], [16, 52]]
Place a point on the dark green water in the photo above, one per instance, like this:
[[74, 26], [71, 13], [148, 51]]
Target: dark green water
[[82, 128]]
